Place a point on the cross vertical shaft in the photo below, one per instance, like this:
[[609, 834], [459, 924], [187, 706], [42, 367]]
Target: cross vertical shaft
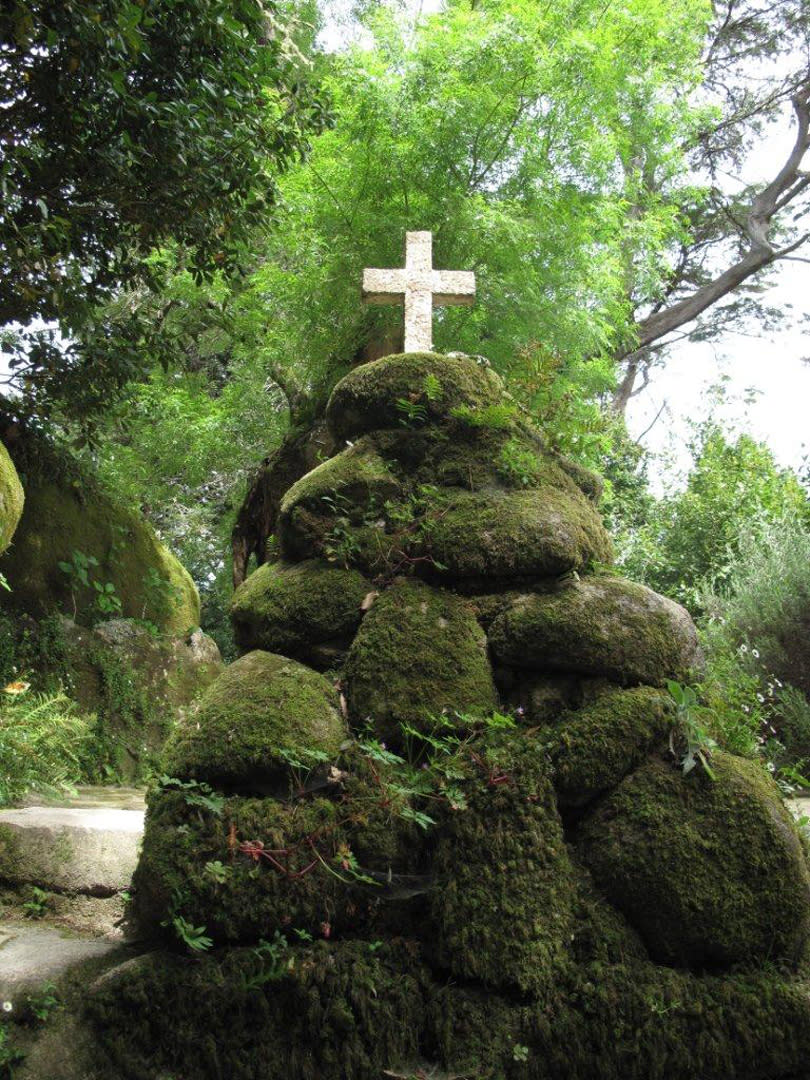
[[420, 288]]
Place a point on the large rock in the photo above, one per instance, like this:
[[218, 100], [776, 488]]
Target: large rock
[[505, 888], [60, 519], [289, 608], [419, 652], [710, 870], [262, 714], [65, 849], [511, 535], [592, 748], [599, 626], [378, 395], [332, 512], [11, 498]]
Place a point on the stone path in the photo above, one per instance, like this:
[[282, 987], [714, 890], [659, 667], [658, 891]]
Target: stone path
[[82, 854]]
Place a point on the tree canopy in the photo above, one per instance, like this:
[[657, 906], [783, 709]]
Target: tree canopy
[[125, 125]]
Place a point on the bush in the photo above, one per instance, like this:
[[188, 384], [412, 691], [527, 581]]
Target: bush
[[757, 647], [42, 741]]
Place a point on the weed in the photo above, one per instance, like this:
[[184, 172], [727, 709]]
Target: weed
[[37, 906]]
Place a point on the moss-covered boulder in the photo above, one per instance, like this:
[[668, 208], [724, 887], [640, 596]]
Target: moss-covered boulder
[[601, 626], [592, 748], [66, 524], [710, 870], [287, 608], [415, 388], [335, 510], [264, 712], [505, 888], [419, 652], [11, 498], [509, 535], [248, 868]]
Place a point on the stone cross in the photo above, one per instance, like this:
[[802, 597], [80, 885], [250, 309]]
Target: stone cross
[[420, 288]]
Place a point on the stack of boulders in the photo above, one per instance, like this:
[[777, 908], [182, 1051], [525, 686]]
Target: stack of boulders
[[438, 817]]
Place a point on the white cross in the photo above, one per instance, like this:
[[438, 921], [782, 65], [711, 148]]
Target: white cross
[[420, 287]]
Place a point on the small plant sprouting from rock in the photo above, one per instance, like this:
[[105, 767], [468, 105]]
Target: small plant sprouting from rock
[[699, 743]]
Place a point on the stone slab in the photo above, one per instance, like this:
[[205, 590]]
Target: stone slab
[[92, 851], [93, 797], [32, 956]]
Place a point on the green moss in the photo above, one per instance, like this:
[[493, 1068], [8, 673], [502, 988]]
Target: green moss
[[366, 399], [11, 498], [288, 609], [418, 651], [503, 901], [261, 712], [324, 512], [339, 1012], [594, 747], [711, 872], [539, 532], [600, 626], [58, 520], [315, 833]]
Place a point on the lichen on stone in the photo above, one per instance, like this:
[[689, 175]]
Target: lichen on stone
[[603, 626]]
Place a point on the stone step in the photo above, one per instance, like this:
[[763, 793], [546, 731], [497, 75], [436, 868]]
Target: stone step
[[34, 958], [90, 850]]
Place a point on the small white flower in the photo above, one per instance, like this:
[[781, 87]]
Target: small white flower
[[771, 767], [743, 649], [760, 699], [755, 652], [8, 1006]]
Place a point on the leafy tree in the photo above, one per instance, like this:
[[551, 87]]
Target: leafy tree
[[733, 229], [125, 124], [691, 539]]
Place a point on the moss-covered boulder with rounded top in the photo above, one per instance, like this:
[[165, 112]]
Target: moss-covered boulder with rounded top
[[262, 713], [290, 607], [505, 890], [322, 855], [409, 388], [604, 626], [418, 652], [333, 511], [593, 747], [709, 869], [63, 524], [11, 498], [508, 535]]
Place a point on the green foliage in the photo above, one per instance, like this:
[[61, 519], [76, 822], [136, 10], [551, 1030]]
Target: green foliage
[[131, 124], [43, 738], [38, 903], [691, 538], [193, 937], [45, 1002], [196, 793], [10, 1055], [699, 744]]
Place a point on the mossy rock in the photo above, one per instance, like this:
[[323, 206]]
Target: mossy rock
[[540, 532], [303, 885], [362, 1009], [505, 888], [317, 1012], [288, 608], [57, 521], [540, 699], [331, 511], [367, 399], [11, 498], [262, 712], [601, 626], [594, 747], [710, 871], [418, 652]]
